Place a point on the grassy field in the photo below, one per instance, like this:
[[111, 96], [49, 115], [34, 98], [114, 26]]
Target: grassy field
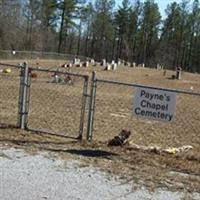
[[57, 108]]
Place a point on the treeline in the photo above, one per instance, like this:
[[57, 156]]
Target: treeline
[[134, 31]]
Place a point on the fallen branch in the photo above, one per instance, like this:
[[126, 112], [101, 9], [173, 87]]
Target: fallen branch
[[157, 149]]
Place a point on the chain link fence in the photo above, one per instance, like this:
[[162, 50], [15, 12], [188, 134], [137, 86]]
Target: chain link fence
[[43, 100], [9, 94], [17, 55], [113, 110], [57, 102]]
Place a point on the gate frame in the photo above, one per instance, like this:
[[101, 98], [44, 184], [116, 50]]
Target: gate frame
[[26, 99], [94, 85], [21, 69]]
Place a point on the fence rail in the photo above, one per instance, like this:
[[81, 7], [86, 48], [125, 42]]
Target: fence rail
[[49, 101], [112, 110], [148, 87], [10, 54], [9, 65], [57, 102]]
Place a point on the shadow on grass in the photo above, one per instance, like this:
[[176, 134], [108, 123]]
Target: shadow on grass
[[8, 126], [13, 134], [91, 153], [53, 145], [39, 132], [32, 142], [48, 133], [86, 153]]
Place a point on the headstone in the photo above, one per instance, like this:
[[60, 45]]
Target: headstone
[[133, 64], [178, 73], [114, 66], [79, 64], [119, 62], [159, 67], [92, 61], [56, 78], [76, 61], [108, 67], [103, 63], [69, 65], [64, 65], [86, 64]]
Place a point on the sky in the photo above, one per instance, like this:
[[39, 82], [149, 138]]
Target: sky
[[162, 4]]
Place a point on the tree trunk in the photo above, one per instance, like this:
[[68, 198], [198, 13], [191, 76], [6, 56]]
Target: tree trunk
[[79, 39], [61, 28]]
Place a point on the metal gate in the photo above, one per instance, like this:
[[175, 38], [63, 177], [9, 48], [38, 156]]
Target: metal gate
[[55, 102], [10, 91], [111, 110]]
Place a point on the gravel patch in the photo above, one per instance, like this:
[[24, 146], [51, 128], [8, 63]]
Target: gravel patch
[[31, 177]]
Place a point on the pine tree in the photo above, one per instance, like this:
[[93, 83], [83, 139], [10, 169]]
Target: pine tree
[[121, 21], [102, 29], [149, 32], [48, 20]]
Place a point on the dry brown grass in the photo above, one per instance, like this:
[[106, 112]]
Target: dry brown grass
[[57, 108]]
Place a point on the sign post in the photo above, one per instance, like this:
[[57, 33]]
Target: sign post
[[154, 104]]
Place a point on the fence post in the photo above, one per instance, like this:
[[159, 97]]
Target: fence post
[[84, 101], [28, 86], [23, 96], [22, 69], [91, 107]]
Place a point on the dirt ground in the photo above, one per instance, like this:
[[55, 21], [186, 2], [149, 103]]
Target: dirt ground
[[57, 108]]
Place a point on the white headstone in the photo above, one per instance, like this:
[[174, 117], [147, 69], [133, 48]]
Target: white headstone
[[114, 66], [108, 67], [76, 61], [92, 61], [178, 73], [133, 64], [104, 63], [56, 79], [158, 66], [70, 65]]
